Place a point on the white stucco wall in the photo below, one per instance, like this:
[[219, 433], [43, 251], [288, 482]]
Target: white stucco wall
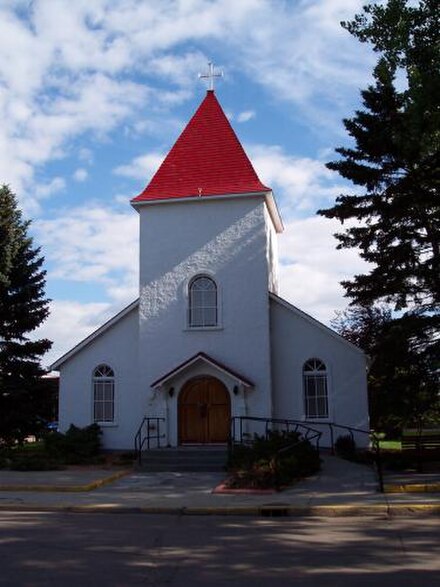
[[228, 240], [118, 348], [272, 255], [296, 338]]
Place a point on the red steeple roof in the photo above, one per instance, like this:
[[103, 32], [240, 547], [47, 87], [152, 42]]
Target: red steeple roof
[[207, 159]]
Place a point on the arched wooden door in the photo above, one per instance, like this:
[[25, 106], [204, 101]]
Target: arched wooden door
[[204, 411]]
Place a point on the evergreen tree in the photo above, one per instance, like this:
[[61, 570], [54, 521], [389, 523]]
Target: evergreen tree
[[23, 307], [394, 215], [396, 160], [403, 389]]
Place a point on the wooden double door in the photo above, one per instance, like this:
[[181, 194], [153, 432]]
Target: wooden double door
[[204, 411]]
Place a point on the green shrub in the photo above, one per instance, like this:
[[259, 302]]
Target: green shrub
[[272, 461], [76, 446], [258, 475], [32, 462]]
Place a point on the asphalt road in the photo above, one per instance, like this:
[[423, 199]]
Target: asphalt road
[[123, 550]]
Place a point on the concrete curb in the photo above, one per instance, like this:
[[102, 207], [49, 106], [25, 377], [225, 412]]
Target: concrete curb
[[330, 511], [406, 509], [68, 488], [223, 489], [412, 487]]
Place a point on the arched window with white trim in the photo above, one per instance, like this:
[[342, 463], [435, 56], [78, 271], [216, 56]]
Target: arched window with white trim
[[203, 302], [103, 394], [315, 389]]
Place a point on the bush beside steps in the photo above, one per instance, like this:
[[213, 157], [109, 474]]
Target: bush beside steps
[[272, 462]]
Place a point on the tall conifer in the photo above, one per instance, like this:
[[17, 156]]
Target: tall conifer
[[394, 160], [23, 307]]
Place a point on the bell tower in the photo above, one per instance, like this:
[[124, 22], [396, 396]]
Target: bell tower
[[207, 219]]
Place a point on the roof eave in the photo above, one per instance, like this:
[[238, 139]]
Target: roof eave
[[274, 212], [159, 383], [141, 203], [267, 194]]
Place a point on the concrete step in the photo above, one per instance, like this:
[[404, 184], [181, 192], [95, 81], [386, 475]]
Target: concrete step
[[185, 459], [184, 455]]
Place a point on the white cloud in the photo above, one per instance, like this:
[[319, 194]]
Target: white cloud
[[157, 125], [93, 245], [299, 52], [141, 167], [301, 184], [311, 268], [246, 115], [80, 174], [85, 155], [45, 190], [69, 322], [181, 69]]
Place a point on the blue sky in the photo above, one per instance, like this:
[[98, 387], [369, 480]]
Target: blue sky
[[93, 93]]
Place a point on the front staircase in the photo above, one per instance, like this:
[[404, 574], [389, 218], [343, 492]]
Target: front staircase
[[185, 458]]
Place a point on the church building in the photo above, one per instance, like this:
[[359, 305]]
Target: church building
[[209, 340]]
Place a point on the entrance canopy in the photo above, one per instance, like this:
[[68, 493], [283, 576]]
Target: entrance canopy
[[194, 363]]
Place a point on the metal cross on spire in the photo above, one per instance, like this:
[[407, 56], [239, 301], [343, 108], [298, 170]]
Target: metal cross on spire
[[211, 75]]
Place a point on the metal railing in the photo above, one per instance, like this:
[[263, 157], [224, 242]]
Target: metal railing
[[239, 436], [351, 431], [148, 435], [243, 429], [266, 425]]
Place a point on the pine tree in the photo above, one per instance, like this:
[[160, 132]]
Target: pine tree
[[23, 307], [394, 214], [403, 390], [396, 160]]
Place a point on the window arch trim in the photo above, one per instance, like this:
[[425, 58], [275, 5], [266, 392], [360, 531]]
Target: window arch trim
[[203, 302]]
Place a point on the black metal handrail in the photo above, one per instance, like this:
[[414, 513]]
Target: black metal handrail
[[240, 437], [374, 440], [312, 434], [305, 434], [148, 433]]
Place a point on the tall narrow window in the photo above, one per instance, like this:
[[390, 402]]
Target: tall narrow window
[[315, 389], [203, 309], [103, 394]]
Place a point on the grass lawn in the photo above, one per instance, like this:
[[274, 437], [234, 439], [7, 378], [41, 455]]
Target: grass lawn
[[390, 444]]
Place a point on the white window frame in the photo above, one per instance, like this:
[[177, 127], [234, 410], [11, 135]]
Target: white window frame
[[202, 324], [103, 380], [315, 374]]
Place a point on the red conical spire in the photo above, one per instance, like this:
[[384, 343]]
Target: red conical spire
[[206, 160]]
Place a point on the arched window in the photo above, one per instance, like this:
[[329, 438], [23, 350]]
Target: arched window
[[203, 302], [103, 394], [315, 389]]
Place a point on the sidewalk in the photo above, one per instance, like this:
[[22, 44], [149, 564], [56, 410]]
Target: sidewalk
[[340, 488]]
